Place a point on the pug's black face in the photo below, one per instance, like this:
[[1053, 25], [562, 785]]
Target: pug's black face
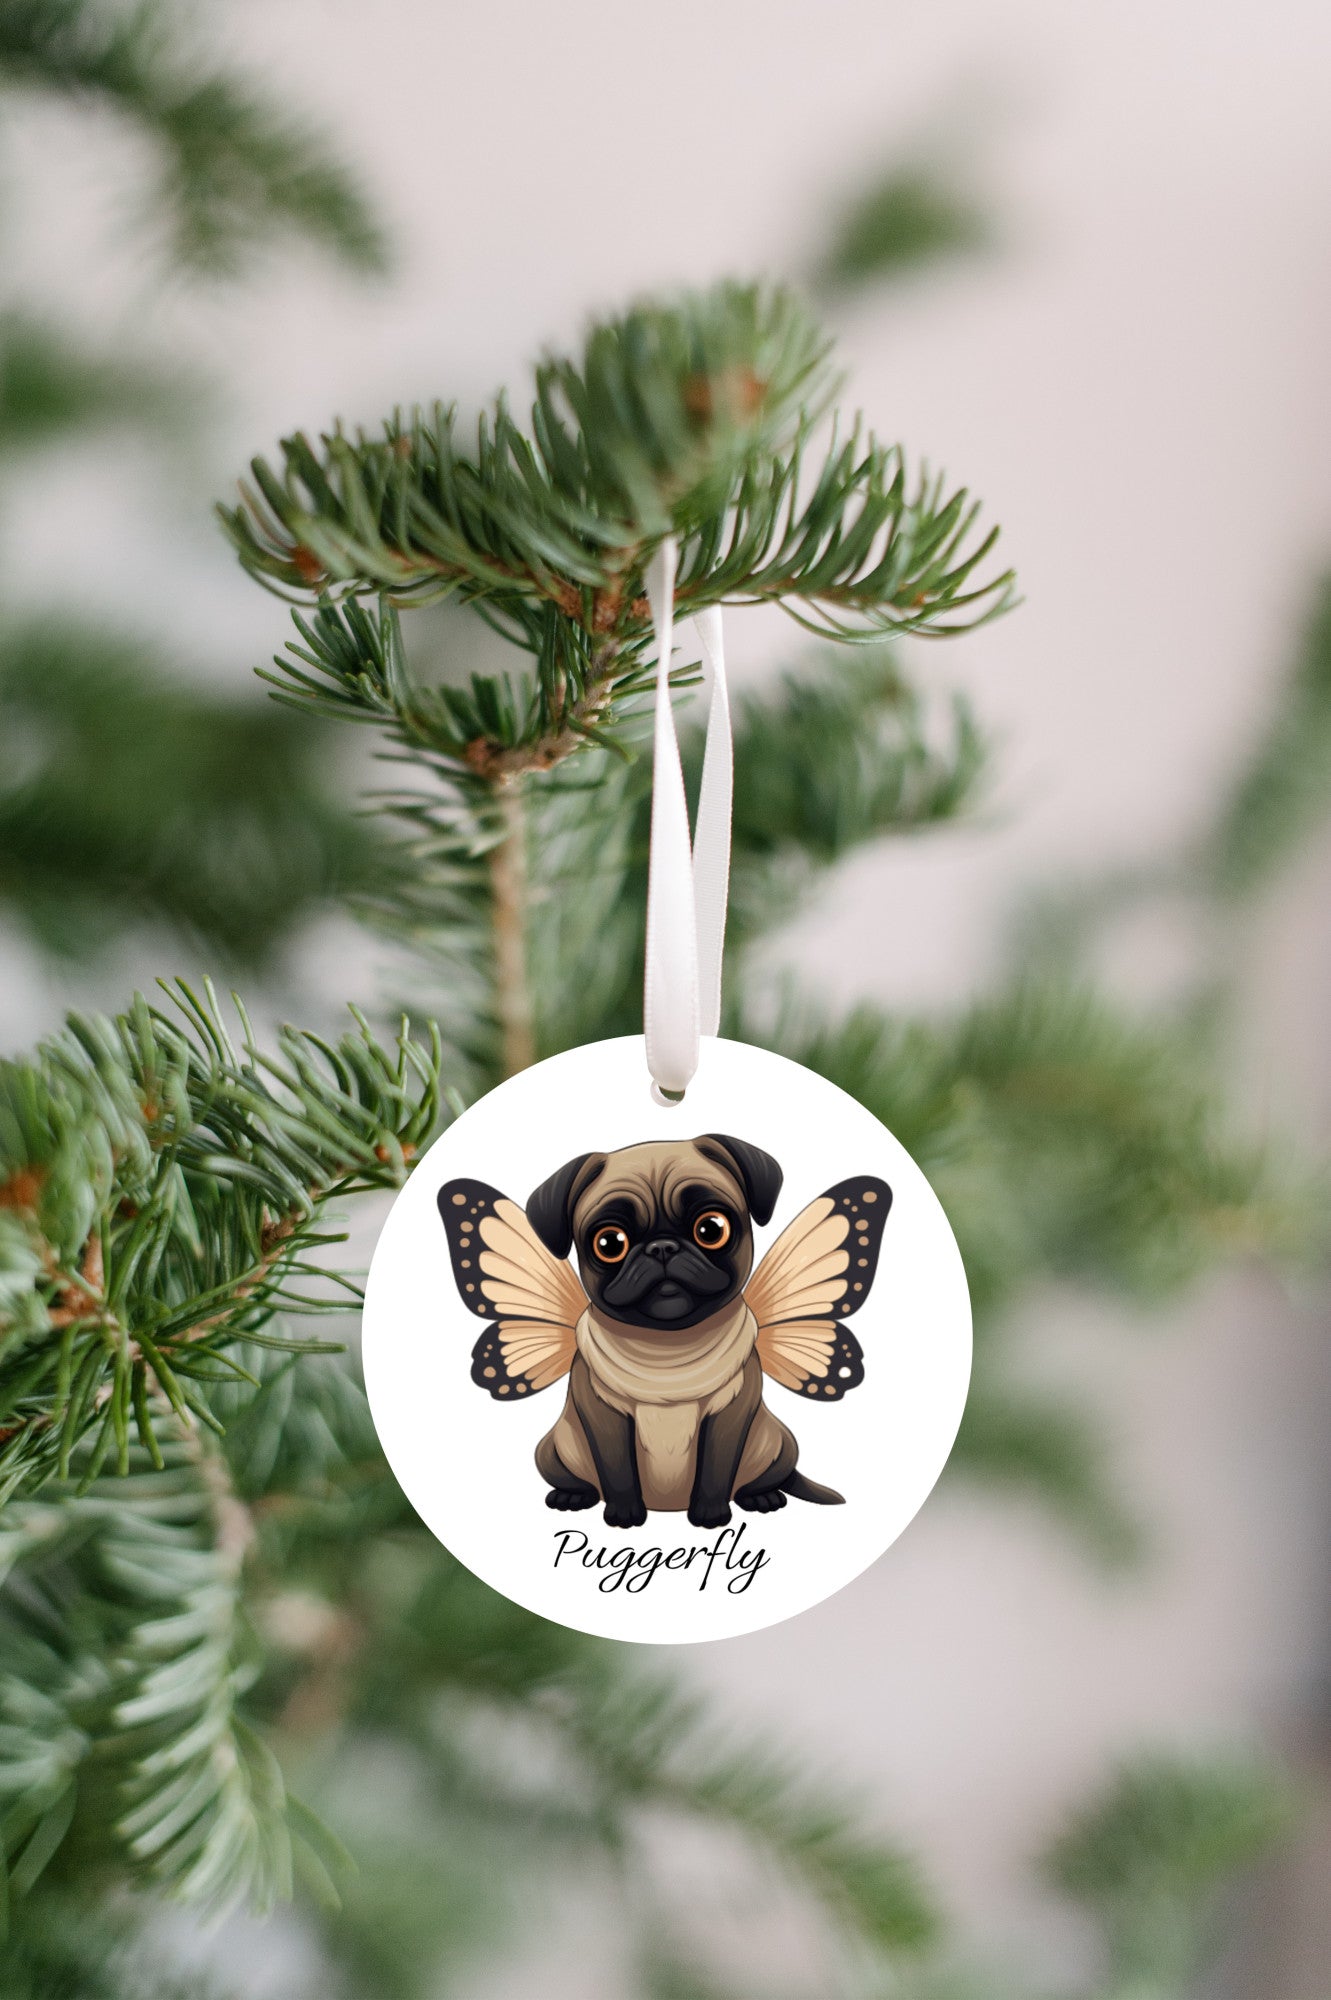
[[670, 1268], [663, 1231]]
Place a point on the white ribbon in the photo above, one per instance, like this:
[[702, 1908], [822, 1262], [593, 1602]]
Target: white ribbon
[[687, 885]]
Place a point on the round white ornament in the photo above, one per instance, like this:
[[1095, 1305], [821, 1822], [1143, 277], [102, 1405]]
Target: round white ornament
[[667, 1372]]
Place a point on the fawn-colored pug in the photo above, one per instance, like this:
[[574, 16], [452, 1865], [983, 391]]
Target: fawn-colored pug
[[666, 1339]]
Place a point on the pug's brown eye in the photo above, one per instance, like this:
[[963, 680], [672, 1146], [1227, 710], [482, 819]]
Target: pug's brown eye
[[611, 1245], [712, 1231]]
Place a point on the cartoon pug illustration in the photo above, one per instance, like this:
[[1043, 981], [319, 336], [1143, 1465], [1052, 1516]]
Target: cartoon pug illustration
[[666, 1339]]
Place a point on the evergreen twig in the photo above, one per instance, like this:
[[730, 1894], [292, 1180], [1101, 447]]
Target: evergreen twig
[[1282, 792], [915, 213], [1150, 1854], [139, 799], [163, 1192], [233, 167], [52, 386], [123, 1744], [698, 419]]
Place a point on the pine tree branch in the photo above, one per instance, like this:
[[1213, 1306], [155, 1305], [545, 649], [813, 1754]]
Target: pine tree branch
[[124, 1748], [571, 1734], [233, 168], [664, 416], [694, 418], [916, 213], [462, 749], [508, 877], [697, 419], [350, 665], [52, 387], [1083, 1139], [651, 1745], [66, 1945], [1066, 1139], [1053, 1452], [163, 1192], [831, 758], [132, 798], [1283, 793], [1150, 1856]]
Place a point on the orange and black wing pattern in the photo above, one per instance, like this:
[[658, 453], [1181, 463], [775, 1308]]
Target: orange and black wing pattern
[[815, 1276], [530, 1300]]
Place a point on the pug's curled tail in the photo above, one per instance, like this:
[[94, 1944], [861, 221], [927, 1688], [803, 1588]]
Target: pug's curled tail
[[800, 1488]]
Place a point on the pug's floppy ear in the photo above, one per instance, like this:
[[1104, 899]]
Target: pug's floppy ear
[[758, 1172], [550, 1209]]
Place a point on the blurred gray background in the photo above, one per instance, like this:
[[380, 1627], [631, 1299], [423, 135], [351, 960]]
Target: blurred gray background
[[1135, 381]]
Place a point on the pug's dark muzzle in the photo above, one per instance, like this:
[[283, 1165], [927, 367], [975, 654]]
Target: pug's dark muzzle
[[665, 1282]]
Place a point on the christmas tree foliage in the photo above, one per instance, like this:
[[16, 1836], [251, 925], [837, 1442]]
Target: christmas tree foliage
[[245, 839], [234, 1668]]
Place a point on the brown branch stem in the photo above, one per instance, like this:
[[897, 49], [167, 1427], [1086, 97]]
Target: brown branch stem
[[501, 762], [234, 1523], [508, 888]]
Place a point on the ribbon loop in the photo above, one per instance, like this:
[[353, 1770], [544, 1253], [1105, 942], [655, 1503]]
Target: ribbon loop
[[688, 884]]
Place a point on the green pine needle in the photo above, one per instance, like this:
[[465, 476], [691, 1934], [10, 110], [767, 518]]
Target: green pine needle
[[51, 387], [233, 168], [245, 840], [1150, 1856], [1054, 1453], [123, 1744], [1283, 792], [165, 1188], [697, 418], [913, 216]]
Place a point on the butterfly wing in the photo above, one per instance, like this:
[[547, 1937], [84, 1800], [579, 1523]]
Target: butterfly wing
[[530, 1300], [816, 1274]]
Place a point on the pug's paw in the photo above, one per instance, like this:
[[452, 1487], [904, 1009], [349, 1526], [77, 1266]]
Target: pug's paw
[[709, 1514], [624, 1513], [570, 1502], [761, 1503]]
